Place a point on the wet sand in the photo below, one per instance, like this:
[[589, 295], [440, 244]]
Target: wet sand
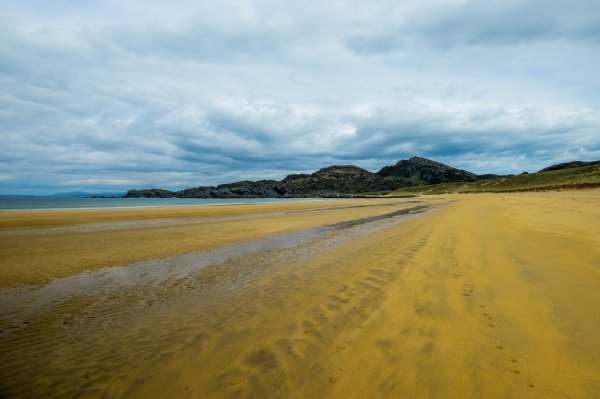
[[491, 296], [38, 246]]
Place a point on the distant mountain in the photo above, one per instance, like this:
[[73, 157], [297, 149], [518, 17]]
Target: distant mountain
[[332, 181], [83, 194]]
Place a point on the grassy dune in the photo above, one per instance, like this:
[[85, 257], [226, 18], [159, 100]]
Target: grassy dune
[[573, 178]]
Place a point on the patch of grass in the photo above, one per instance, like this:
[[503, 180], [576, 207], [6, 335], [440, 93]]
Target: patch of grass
[[573, 178]]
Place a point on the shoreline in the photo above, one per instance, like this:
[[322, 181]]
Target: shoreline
[[67, 242], [111, 280], [267, 201]]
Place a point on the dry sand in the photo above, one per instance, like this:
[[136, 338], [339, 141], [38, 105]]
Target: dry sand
[[483, 296]]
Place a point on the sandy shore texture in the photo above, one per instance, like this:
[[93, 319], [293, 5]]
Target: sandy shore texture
[[464, 296]]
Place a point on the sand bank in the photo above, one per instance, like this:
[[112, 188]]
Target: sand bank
[[491, 296], [41, 245]]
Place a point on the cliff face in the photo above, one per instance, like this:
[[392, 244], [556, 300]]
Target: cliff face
[[337, 180]]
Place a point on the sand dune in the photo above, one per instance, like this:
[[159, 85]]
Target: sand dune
[[483, 296]]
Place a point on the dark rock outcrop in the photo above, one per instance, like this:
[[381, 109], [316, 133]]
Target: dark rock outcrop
[[426, 171], [327, 182], [332, 181], [150, 193], [343, 179]]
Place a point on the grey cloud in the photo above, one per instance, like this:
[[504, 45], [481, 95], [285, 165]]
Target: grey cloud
[[515, 22], [478, 23], [217, 33], [265, 89]]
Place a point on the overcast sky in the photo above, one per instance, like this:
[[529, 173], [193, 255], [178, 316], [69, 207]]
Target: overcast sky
[[112, 95]]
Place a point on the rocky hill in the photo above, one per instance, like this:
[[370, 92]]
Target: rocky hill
[[564, 176], [332, 181], [425, 171]]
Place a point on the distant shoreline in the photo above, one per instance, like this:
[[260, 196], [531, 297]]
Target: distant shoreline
[[74, 204]]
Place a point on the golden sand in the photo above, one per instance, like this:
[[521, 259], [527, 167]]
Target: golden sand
[[487, 296], [37, 246]]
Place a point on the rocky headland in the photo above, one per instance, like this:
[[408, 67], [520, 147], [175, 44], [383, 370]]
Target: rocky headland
[[332, 181]]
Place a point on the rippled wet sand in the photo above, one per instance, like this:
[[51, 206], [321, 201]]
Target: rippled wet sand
[[475, 296], [41, 245]]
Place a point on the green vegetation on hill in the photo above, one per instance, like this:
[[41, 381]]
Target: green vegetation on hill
[[550, 178]]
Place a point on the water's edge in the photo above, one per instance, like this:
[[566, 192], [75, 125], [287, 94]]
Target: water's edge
[[20, 303]]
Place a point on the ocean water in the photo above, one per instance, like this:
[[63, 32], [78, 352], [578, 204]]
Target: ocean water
[[10, 203]]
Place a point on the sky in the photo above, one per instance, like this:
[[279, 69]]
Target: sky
[[105, 96]]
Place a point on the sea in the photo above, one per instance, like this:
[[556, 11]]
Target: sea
[[16, 203]]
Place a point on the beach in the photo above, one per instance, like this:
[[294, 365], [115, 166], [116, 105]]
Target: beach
[[453, 296]]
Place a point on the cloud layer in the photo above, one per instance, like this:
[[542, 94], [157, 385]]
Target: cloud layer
[[109, 96]]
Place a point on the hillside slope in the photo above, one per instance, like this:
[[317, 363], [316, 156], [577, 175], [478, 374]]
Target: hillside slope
[[551, 178]]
